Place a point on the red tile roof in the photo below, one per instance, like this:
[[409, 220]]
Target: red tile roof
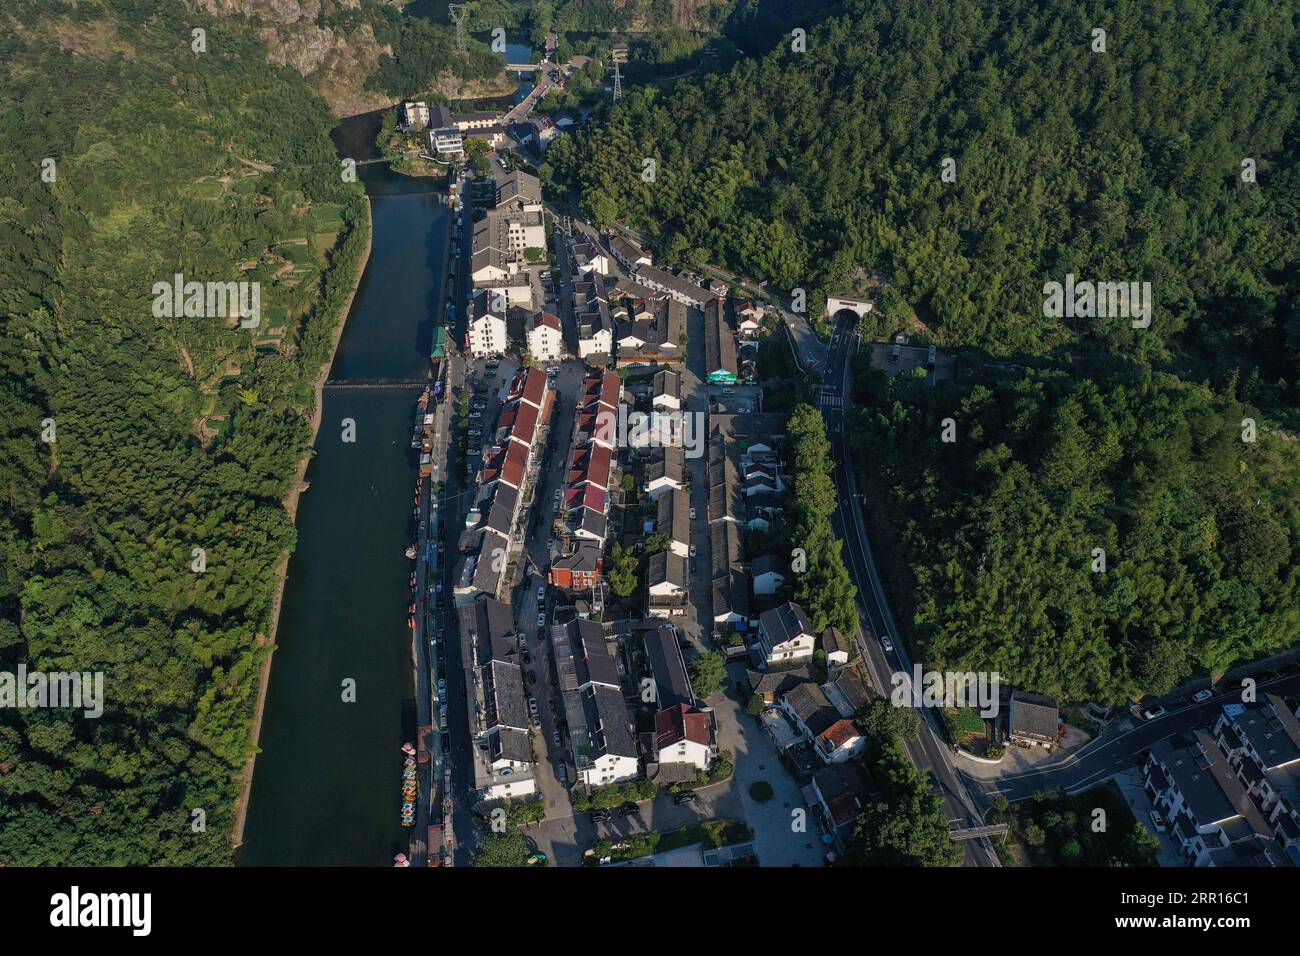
[[525, 423], [515, 464], [611, 386], [839, 733], [534, 389], [680, 723], [546, 318], [598, 465]]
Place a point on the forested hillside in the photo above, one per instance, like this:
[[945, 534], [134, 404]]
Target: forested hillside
[[993, 538], [824, 170], [128, 157], [796, 168]]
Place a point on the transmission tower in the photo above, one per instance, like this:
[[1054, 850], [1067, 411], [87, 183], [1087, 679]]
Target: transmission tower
[[456, 13], [618, 55]]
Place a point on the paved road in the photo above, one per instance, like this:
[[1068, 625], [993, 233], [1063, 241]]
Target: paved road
[[1113, 753], [928, 752]]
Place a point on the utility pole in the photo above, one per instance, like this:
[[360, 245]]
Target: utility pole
[[619, 55], [456, 13]]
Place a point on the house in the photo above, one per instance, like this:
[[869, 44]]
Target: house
[[768, 573], [771, 686], [545, 339], [834, 738], [674, 520], [580, 570], [784, 635], [719, 345], [517, 189], [727, 578], [415, 117], [650, 336], [749, 318], [498, 718], [667, 390], [544, 129], [1208, 810], [836, 647], [486, 334], [1261, 741], [682, 290], [849, 691], [603, 748], [839, 793], [629, 256], [665, 471], [684, 735], [447, 143], [1033, 721], [666, 585], [672, 684]]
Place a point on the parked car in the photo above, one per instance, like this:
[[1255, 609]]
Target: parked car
[[528, 658], [692, 551], [1151, 713], [541, 621], [627, 808], [599, 815], [532, 677], [442, 686], [686, 796], [1157, 821], [692, 514], [541, 593], [555, 737], [1202, 695]]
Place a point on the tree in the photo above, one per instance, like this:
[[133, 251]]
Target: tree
[[708, 674], [507, 849], [910, 829]]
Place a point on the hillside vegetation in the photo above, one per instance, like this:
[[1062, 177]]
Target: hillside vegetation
[[170, 433]]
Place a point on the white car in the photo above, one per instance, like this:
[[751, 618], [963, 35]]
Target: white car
[[692, 551], [1157, 821], [1202, 695], [1151, 713], [541, 593], [692, 513], [886, 643], [541, 620]]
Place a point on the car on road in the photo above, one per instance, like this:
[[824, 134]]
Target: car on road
[[692, 551], [555, 738], [532, 677], [528, 658], [686, 796], [541, 593], [1157, 821], [1154, 711], [627, 808], [442, 686], [1202, 695], [692, 514], [886, 643], [541, 620]]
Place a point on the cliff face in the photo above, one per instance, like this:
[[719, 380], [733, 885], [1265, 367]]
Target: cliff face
[[335, 60]]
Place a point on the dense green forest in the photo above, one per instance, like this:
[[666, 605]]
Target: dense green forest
[[992, 538], [801, 168], [170, 433]]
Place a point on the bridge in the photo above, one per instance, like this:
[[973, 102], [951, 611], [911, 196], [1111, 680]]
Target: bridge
[[971, 833], [383, 383], [525, 67]]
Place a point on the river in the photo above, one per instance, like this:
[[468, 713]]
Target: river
[[326, 786]]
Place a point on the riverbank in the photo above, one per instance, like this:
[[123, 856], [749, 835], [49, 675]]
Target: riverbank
[[291, 506]]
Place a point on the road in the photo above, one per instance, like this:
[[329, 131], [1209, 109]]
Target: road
[[1110, 754], [928, 752]]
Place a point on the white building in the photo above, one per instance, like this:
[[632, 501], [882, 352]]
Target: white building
[[487, 328], [784, 635], [683, 735], [667, 392], [545, 340]]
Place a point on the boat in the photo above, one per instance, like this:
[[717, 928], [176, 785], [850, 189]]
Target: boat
[[408, 785], [411, 552]]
